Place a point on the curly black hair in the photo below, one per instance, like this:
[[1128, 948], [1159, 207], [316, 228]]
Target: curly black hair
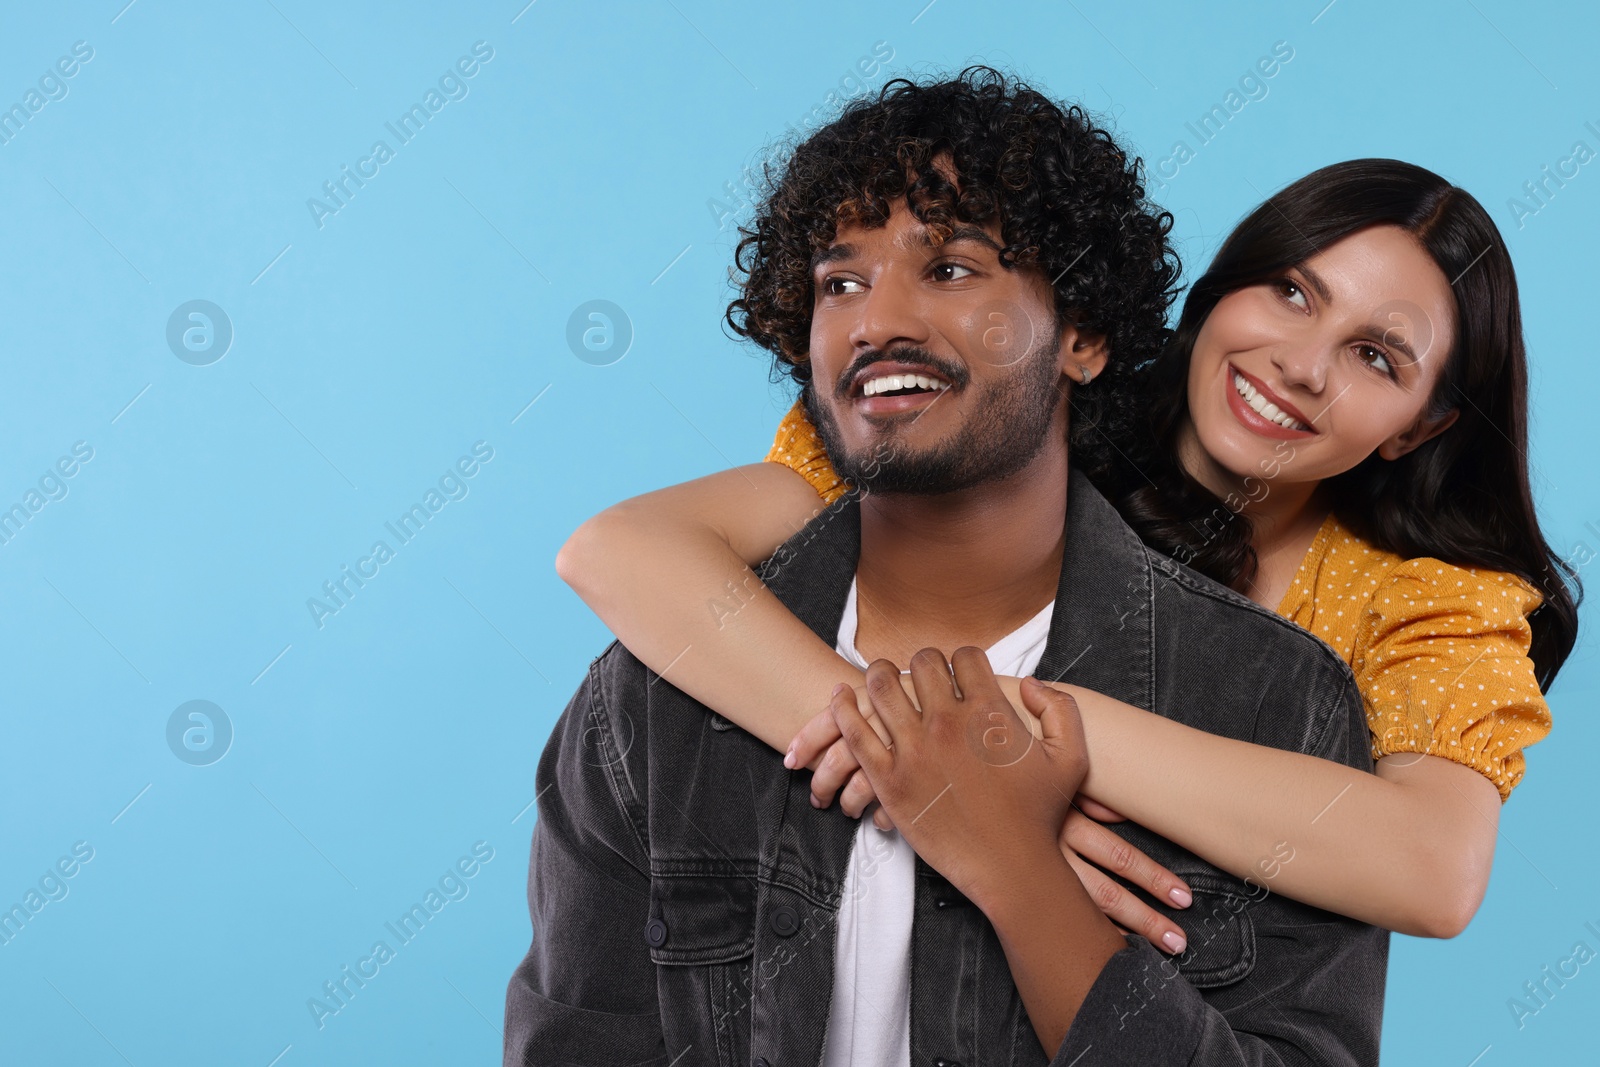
[[1069, 201]]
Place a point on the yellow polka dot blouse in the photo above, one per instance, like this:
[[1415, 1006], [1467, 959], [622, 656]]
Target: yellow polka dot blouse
[[1440, 653]]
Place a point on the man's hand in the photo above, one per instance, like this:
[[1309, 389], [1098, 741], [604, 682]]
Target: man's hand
[[1091, 849], [819, 748], [974, 792]]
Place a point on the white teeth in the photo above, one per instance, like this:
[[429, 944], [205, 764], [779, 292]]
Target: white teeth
[[1260, 406], [891, 382]]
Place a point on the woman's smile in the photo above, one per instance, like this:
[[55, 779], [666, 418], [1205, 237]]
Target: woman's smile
[[1263, 411]]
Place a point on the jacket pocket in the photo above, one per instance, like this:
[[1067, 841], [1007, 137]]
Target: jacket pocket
[[1218, 926], [702, 935], [695, 919]]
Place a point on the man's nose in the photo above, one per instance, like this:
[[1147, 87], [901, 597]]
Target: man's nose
[[890, 315]]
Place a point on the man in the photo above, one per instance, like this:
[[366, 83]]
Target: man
[[689, 905]]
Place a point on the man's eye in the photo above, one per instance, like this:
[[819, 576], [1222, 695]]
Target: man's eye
[[832, 286], [941, 271]]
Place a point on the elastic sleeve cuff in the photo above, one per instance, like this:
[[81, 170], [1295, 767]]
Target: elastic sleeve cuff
[[1470, 729]]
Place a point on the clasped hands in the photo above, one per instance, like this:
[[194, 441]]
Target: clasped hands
[[980, 792]]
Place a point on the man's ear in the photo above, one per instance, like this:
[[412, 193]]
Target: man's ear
[[1423, 430], [1082, 351]]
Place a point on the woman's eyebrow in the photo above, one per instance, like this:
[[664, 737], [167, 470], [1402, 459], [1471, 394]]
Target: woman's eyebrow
[[1379, 335], [1314, 280], [1374, 332]]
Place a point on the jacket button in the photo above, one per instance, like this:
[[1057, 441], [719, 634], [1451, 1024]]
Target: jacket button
[[655, 933], [761, 1061], [785, 921], [945, 1063]]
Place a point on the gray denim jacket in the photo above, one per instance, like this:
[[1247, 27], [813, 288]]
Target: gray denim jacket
[[683, 890]]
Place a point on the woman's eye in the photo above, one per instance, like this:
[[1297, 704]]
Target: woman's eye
[[1374, 358], [1292, 292], [940, 270]]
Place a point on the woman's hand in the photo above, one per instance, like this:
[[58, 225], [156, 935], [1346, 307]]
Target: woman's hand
[[1088, 847], [973, 791], [819, 747]]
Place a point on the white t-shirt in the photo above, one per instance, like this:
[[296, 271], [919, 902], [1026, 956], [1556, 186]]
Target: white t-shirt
[[869, 1017]]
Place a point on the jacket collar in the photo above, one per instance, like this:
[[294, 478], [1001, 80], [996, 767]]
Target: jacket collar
[[1102, 630]]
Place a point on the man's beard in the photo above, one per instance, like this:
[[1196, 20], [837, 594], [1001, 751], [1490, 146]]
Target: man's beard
[[1006, 425]]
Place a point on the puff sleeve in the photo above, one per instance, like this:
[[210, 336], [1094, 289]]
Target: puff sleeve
[[1441, 658]]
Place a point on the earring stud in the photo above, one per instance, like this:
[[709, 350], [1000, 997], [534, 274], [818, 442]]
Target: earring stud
[[1085, 373]]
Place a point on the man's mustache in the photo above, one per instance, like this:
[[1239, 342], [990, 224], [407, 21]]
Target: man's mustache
[[955, 373]]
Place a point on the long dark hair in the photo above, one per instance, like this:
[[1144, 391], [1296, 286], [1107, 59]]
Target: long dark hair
[[1463, 496]]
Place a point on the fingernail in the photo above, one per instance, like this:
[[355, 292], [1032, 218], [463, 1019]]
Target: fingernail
[[838, 688], [1174, 942], [815, 803], [1181, 896], [788, 759]]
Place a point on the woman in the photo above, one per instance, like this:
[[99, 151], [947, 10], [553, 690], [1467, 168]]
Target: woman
[[1337, 430]]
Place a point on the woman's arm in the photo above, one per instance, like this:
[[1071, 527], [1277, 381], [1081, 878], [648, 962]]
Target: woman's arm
[[1409, 848], [669, 573]]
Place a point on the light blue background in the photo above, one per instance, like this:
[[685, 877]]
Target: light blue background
[[426, 315]]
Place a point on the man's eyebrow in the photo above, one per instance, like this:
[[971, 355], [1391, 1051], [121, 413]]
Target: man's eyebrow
[[832, 254], [836, 253], [966, 233]]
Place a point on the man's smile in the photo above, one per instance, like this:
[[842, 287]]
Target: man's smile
[[892, 386]]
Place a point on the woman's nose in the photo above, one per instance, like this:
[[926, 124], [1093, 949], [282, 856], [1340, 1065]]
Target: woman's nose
[[1302, 365]]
